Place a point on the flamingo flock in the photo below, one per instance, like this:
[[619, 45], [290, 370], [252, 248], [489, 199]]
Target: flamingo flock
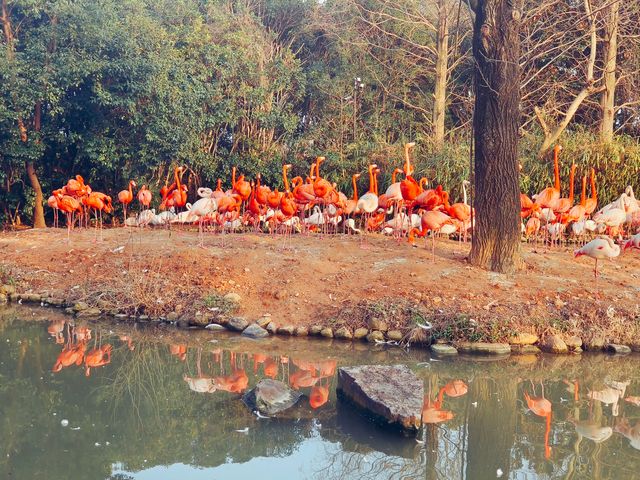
[[408, 208]]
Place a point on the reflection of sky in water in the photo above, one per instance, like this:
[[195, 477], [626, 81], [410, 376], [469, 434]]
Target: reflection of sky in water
[[298, 465]]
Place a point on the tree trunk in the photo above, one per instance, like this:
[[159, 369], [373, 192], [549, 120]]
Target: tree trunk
[[442, 63], [608, 95], [38, 210], [496, 49]]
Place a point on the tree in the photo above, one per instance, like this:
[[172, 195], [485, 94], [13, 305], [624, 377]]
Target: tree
[[496, 49]]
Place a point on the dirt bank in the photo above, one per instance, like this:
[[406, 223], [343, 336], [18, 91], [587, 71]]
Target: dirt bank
[[332, 280]]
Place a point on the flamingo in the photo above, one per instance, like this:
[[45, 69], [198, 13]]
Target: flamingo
[[52, 201], [591, 203], [125, 197], [599, 248], [548, 196], [368, 203], [541, 407], [69, 206], [563, 205], [203, 208], [99, 202], [351, 206], [432, 220], [98, 357], [144, 197], [633, 242], [409, 187]]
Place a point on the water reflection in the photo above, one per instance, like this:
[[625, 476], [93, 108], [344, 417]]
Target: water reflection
[[158, 397]]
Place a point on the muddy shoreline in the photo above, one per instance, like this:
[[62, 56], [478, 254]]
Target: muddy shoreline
[[332, 286]]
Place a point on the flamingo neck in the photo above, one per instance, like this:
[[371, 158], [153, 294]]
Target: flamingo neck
[[219, 185], [355, 188], [233, 176], [594, 193], [583, 194], [177, 179], [284, 179], [556, 170], [571, 182], [371, 185]]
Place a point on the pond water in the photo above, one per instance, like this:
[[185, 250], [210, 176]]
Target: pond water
[[166, 405]]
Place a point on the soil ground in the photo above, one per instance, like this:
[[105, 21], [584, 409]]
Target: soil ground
[[330, 280]]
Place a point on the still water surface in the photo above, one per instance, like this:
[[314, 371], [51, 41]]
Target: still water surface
[[157, 403]]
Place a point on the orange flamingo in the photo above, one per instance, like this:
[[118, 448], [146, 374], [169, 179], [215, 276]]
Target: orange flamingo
[[433, 221], [125, 197], [591, 203], [547, 197], [541, 407], [71, 354], [69, 206], [98, 357], [409, 187], [144, 197], [318, 396]]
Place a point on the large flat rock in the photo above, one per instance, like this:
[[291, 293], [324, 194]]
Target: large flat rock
[[390, 393]]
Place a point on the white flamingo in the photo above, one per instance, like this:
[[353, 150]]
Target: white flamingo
[[599, 248]]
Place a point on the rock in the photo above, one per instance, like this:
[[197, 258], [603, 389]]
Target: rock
[[327, 332], [270, 397], [596, 344], [616, 348], [8, 289], [315, 330], [525, 349], [484, 348], [391, 393], [554, 344], [56, 302], [232, 297], [344, 333], [89, 312], [573, 342], [237, 324], [80, 306], [377, 324], [263, 321], [183, 323], [360, 333], [301, 332], [523, 338], [31, 297], [577, 350], [69, 310], [286, 330], [172, 316], [144, 318], [272, 328], [375, 335], [215, 327], [3, 298], [443, 349], [255, 331], [395, 335], [121, 315]]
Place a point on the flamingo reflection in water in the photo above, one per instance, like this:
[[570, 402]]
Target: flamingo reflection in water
[[200, 383], [541, 407], [72, 353]]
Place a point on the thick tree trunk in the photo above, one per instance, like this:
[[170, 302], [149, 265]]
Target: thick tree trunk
[[442, 64], [608, 95], [38, 210], [496, 49]]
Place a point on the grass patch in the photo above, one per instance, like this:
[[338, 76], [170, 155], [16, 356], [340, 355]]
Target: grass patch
[[221, 304]]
